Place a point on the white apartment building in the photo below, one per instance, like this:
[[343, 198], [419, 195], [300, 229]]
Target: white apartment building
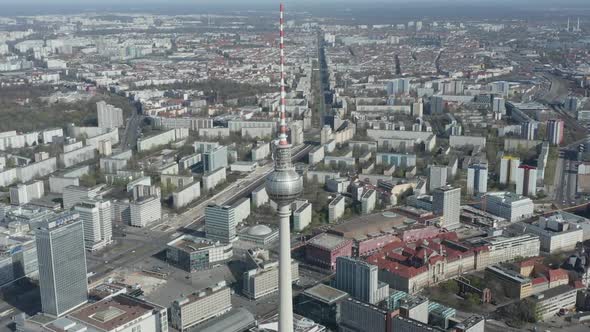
[[24, 193], [145, 210], [302, 217], [108, 115], [336, 208]]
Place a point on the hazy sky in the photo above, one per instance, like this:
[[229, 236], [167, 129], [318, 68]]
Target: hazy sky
[[323, 7]]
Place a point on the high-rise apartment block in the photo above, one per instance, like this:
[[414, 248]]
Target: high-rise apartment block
[[555, 129], [98, 224], [360, 279], [62, 264], [215, 158], [398, 86], [529, 130], [446, 201], [145, 210], [437, 177], [24, 193], [477, 179], [508, 169], [220, 223], [526, 180], [108, 115]]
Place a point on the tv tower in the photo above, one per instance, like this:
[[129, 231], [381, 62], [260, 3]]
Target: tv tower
[[568, 24], [283, 186]]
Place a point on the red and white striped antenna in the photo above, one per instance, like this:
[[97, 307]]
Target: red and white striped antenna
[[283, 115]]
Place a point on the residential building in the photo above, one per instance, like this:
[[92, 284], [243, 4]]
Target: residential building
[[215, 158], [508, 169], [526, 180], [368, 201], [302, 217], [529, 130], [555, 131], [336, 208], [446, 201], [477, 179], [145, 211], [437, 177], [62, 264], [397, 159], [108, 115], [24, 193]]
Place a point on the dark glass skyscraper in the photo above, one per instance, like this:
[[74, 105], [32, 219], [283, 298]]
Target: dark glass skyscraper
[[62, 264]]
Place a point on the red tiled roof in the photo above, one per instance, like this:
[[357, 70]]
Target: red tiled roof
[[557, 274], [578, 284], [539, 280], [529, 262]]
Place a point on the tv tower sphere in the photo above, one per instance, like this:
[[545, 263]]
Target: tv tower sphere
[[283, 186]]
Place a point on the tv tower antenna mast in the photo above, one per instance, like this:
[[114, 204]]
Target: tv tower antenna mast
[[283, 186]]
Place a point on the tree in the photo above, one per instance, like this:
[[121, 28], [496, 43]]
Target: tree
[[450, 287]]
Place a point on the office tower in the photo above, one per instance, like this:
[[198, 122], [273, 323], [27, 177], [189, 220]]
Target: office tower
[[359, 279], [477, 179], [437, 105], [220, 223], [508, 168], [98, 223], [109, 116], [526, 180], [555, 131], [529, 130], [498, 105], [62, 263], [215, 158], [446, 201], [283, 186], [437, 177]]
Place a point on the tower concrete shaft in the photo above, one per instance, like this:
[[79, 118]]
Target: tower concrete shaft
[[285, 290]]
